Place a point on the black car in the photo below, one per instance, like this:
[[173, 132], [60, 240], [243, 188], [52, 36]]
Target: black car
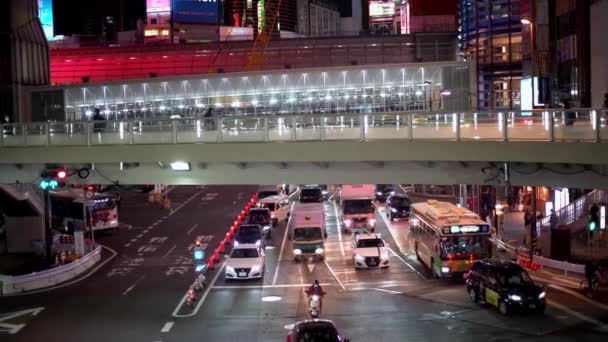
[[311, 194], [397, 206], [321, 330], [249, 234], [382, 191], [505, 285], [262, 217]]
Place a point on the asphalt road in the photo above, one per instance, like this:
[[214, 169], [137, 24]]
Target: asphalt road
[[136, 295]]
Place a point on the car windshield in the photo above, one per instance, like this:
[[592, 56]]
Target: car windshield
[[244, 253], [362, 206], [366, 243], [249, 231], [515, 276], [300, 234], [270, 206], [317, 333], [457, 247], [384, 188], [399, 201], [311, 195], [258, 217], [264, 194]]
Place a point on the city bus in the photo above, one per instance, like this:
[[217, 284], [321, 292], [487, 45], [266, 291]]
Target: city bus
[[67, 211], [448, 239]]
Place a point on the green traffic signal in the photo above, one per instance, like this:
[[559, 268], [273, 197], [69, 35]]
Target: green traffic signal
[[592, 226], [48, 184]]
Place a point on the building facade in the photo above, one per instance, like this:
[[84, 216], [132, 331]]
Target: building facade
[[491, 37]]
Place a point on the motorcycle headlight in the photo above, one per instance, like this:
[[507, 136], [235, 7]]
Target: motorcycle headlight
[[272, 215], [230, 269], [297, 251], [266, 228], [541, 295], [258, 243], [319, 251], [515, 298], [315, 297], [394, 210], [372, 222], [445, 269], [378, 193], [348, 222]]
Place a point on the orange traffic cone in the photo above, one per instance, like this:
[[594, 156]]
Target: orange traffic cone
[[211, 264], [227, 239], [222, 247], [216, 255]]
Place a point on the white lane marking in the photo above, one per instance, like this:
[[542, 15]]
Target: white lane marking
[[133, 240], [15, 328], [202, 300], [169, 252], [390, 230], [579, 296], [167, 327], [376, 289], [339, 228], [276, 270], [127, 244], [133, 286], [407, 263], [114, 254], [139, 236], [577, 314], [220, 287], [335, 276], [311, 267], [191, 229]]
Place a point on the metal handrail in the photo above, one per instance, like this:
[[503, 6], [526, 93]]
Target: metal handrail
[[500, 127]]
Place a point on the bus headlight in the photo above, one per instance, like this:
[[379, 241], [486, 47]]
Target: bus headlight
[[445, 269], [297, 251]]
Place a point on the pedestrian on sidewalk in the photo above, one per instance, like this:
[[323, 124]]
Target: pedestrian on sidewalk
[[590, 273]]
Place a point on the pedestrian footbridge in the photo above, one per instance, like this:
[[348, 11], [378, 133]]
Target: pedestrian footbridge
[[550, 147]]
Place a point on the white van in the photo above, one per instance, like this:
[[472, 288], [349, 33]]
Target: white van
[[278, 206]]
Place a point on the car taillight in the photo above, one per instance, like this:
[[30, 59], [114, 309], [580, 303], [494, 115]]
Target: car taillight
[[289, 338]]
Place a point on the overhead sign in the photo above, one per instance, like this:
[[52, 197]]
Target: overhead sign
[[158, 6], [381, 9], [195, 11]]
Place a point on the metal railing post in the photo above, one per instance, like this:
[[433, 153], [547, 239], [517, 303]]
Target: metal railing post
[[410, 127], [362, 125], [266, 129], [323, 127], [1, 135], [505, 126], [220, 130], [551, 119], [598, 123], [87, 132], [174, 130], [24, 129], [48, 133], [131, 128], [294, 123], [458, 115]]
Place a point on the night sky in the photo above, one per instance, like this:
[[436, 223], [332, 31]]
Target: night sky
[[85, 16]]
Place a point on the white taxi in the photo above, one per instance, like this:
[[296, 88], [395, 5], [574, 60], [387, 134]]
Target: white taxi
[[246, 261], [369, 251], [278, 206]]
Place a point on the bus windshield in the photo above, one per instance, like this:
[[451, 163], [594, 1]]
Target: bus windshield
[[460, 247], [306, 234], [362, 206]]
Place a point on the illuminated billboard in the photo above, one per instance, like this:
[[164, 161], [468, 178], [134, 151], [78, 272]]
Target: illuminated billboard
[[195, 11], [158, 6], [381, 9], [45, 13]]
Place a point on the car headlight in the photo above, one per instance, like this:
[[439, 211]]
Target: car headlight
[[266, 228], [297, 251], [372, 222], [258, 243], [272, 215], [378, 193], [319, 251], [255, 269], [541, 295], [359, 257], [236, 243], [230, 269], [348, 222], [384, 255], [515, 298], [324, 192], [394, 210], [445, 269]]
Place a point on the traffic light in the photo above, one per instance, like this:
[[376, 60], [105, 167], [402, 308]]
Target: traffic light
[[594, 222], [52, 179]]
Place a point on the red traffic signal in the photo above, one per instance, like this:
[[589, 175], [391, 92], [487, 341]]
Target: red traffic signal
[[61, 174]]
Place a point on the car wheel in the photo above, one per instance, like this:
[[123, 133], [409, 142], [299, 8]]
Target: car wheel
[[503, 308], [474, 295]]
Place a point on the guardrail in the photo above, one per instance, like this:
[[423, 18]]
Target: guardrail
[[581, 125], [46, 278]]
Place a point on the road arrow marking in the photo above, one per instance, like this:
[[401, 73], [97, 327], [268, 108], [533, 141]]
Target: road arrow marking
[[15, 328], [310, 267]]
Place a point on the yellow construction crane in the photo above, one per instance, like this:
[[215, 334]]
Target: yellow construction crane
[[256, 56]]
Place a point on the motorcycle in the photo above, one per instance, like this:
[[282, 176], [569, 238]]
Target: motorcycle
[[314, 306], [200, 282]]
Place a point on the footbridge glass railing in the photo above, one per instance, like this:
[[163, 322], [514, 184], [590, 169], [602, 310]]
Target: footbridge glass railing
[[571, 125]]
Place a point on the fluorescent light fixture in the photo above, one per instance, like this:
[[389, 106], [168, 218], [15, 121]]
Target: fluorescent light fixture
[[88, 112], [446, 92], [273, 100], [200, 105], [162, 107], [180, 106], [236, 104], [180, 166], [418, 92], [254, 102], [525, 21]]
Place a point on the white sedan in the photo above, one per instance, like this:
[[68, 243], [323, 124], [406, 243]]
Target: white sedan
[[369, 251], [245, 262]]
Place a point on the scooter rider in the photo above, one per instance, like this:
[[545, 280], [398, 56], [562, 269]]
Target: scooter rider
[[315, 289]]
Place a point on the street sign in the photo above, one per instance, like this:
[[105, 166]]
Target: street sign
[[89, 194], [199, 254], [200, 267]]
